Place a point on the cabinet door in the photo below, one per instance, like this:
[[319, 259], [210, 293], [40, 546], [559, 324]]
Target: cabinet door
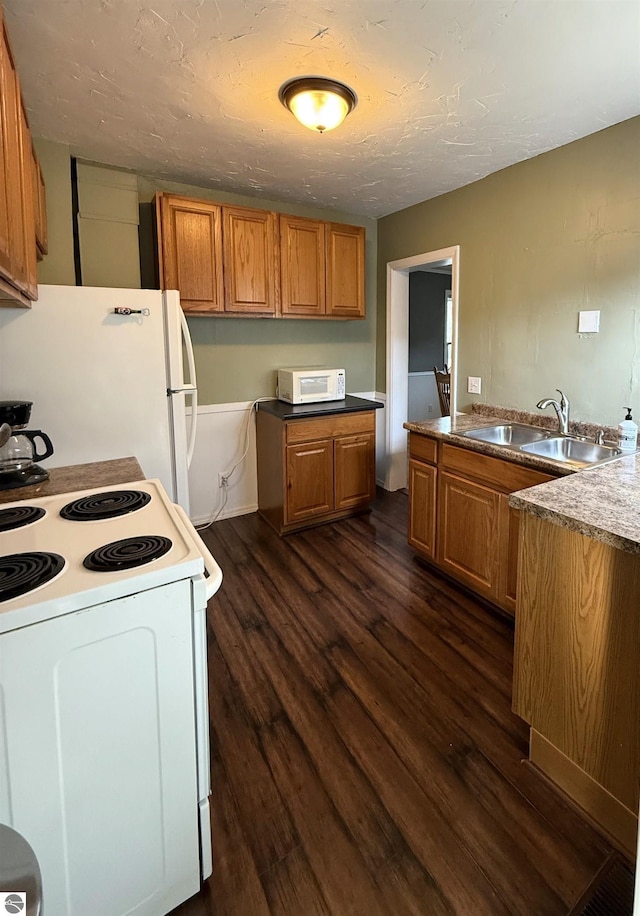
[[30, 279], [309, 480], [249, 260], [17, 270], [345, 271], [6, 176], [302, 266], [468, 532], [422, 507], [354, 463], [190, 248]]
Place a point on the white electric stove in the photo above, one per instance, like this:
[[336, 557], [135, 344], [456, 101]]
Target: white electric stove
[[104, 749]]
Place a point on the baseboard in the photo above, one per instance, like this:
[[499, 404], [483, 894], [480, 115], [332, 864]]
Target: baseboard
[[606, 810], [227, 512]]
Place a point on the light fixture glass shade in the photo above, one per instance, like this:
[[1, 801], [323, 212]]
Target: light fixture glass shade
[[320, 104]]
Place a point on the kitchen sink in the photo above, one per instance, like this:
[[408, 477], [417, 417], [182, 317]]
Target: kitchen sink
[[532, 440], [511, 434], [571, 451]]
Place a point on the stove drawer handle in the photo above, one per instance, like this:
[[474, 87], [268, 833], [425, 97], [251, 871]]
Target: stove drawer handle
[[212, 584]]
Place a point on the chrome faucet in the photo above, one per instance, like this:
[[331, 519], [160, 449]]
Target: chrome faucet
[[561, 409]]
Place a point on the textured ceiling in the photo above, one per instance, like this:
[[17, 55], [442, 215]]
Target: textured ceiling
[[448, 90]]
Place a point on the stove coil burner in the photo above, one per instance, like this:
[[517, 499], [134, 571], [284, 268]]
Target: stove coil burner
[[22, 572], [127, 553], [19, 516], [100, 506]]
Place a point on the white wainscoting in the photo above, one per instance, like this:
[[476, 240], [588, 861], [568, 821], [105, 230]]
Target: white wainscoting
[[219, 444]]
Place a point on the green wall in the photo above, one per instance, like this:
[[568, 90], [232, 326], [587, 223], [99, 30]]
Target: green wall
[[540, 241]]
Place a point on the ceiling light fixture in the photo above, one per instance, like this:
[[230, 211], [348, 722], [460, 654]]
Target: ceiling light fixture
[[318, 103]]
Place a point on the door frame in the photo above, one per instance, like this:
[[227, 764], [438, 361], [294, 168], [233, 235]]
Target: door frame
[[398, 352]]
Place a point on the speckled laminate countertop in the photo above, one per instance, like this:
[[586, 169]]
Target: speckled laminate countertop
[[600, 502], [449, 429], [78, 477]]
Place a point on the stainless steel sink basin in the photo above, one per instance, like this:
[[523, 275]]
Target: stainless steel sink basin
[[571, 451], [565, 450], [510, 434]]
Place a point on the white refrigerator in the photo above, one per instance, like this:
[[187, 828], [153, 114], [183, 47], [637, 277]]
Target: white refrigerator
[[106, 384]]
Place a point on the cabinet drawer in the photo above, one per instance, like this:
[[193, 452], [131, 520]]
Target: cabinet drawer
[[501, 474], [423, 448], [346, 424]]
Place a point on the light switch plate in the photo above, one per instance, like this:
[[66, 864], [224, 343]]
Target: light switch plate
[[474, 384], [588, 322]]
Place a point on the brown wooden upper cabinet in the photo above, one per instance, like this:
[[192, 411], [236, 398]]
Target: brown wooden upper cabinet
[[238, 261], [302, 266], [190, 251], [345, 271], [18, 275], [322, 268], [249, 259]]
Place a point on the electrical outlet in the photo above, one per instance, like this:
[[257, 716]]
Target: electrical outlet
[[223, 480], [429, 408], [474, 384]]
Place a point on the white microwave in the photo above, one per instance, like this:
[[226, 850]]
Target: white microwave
[[309, 386]]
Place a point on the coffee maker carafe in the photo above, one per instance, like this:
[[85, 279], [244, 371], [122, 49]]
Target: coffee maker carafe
[[19, 448]]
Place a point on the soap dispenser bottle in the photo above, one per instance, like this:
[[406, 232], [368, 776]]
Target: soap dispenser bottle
[[628, 433]]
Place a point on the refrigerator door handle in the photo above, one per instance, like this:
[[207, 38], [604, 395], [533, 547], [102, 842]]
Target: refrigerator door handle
[[186, 336], [194, 423]]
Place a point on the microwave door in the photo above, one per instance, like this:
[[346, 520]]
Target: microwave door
[[314, 387]]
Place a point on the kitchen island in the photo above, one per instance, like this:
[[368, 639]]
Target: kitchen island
[[78, 477]]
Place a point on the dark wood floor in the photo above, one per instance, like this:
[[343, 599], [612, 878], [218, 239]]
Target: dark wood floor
[[364, 756]]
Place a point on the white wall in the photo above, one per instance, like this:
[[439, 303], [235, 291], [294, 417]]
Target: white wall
[[219, 444]]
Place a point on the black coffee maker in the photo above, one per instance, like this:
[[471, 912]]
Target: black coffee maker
[[18, 447]]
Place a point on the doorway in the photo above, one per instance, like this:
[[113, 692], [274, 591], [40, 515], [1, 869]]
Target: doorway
[[429, 339], [398, 351]]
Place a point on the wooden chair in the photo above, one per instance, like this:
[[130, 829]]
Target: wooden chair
[[443, 384]]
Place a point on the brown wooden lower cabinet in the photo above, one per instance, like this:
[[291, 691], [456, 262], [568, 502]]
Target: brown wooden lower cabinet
[[354, 470], [422, 518], [468, 532], [309, 481], [314, 470], [577, 669], [460, 518]]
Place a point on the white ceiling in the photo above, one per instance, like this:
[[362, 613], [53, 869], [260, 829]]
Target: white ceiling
[[449, 90]]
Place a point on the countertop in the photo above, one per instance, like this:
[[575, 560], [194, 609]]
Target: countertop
[[600, 502], [449, 429], [78, 477], [285, 411]]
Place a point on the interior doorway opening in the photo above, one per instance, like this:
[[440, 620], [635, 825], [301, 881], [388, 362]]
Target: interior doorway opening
[[430, 323], [398, 351]]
